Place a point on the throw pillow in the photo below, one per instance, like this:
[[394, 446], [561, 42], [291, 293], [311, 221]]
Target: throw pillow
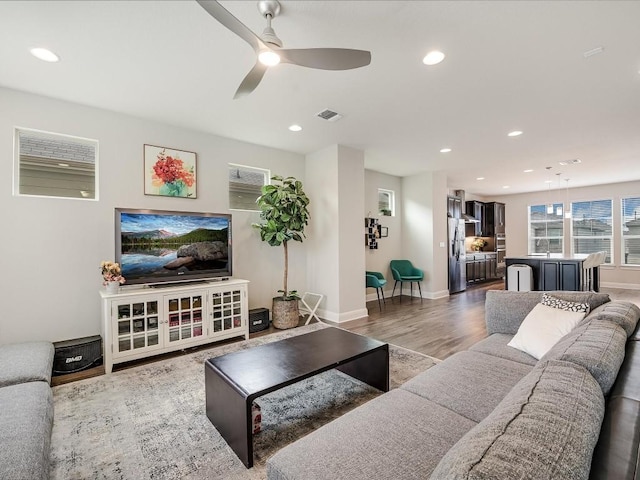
[[551, 301], [542, 329]]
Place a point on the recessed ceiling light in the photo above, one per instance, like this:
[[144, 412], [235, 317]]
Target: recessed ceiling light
[[593, 51], [548, 181], [506, 186], [480, 178], [295, 128], [269, 58], [44, 54], [515, 133], [433, 58], [528, 170], [445, 150]]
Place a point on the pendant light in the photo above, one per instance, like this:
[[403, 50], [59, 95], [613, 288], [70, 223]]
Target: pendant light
[[559, 208], [550, 204]]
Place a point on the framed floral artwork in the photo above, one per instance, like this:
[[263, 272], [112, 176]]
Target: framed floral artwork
[[169, 172]]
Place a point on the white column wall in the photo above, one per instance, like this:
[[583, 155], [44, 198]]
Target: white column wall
[[336, 269], [424, 198], [352, 252]]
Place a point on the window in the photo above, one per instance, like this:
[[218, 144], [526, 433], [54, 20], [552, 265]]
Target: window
[[386, 202], [245, 186], [591, 227], [546, 229], [55, 165], [631, 231]]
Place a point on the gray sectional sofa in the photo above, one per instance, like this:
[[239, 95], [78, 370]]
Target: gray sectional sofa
[[494, 412], [26, 410]]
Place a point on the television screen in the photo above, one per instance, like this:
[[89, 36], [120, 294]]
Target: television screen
[[154, 246]]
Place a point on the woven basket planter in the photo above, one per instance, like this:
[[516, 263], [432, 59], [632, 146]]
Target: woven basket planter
[[285, 313]]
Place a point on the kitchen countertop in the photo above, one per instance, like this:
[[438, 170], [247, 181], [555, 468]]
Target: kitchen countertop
[[553, 256]]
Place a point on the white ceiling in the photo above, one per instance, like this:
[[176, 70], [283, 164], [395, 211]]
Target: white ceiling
[[510, 65]]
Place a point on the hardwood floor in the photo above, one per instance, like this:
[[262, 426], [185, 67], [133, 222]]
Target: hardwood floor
[[442, 327], [438, 328]]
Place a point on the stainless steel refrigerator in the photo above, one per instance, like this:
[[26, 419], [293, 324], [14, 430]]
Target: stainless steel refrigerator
[[457, 256]]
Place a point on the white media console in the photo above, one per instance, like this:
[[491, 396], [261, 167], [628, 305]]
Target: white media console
[[144, 321]]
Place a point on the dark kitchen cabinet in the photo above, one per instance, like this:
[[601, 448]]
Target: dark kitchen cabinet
[[494, 219], [454, 207], [558, 275], [477, 210], [481, 267], [552, 274]]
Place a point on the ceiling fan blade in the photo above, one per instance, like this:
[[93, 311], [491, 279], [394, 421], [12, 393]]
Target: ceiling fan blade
[[326, 58], [223, 15], [251, 81]]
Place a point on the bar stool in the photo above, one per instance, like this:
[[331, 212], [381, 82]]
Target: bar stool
[[592, 261]]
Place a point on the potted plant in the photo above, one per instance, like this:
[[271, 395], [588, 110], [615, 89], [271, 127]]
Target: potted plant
[[283, 208]]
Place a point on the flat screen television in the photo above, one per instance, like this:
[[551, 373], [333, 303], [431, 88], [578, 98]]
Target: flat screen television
[[158, 246]]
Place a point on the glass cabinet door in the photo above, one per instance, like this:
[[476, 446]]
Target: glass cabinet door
[[137, 326], [226, 310], [185, 316]]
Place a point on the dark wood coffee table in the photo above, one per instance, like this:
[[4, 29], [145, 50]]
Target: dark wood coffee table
[[233, 381]]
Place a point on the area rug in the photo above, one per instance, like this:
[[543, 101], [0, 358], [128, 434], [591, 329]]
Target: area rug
[[149, 422]]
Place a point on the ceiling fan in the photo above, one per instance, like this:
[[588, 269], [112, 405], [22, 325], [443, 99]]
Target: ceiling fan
[[268, 47]]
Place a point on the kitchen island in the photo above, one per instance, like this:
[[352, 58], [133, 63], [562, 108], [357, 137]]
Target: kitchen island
[[555, 272]]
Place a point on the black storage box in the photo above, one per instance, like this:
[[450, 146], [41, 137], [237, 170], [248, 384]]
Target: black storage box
[[77, 355], [258, 319]]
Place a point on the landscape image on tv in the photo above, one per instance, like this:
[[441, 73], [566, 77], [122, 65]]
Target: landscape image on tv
[[160, 245]]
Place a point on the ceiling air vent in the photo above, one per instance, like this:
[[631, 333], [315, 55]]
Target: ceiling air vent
[[329, 115]]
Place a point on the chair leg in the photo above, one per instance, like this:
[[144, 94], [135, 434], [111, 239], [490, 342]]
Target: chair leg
[[411, 290], [394, 289], [378, 293], [383, 299], [420, 290]]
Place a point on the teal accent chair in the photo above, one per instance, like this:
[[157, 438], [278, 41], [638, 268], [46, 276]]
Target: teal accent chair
[[404, 271], [376, 280]]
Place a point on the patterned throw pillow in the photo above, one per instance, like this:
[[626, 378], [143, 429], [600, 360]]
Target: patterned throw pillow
[[554, 302]]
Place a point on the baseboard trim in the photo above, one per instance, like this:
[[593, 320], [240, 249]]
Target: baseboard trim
[[624, 286], [343, 317], [374, 296]]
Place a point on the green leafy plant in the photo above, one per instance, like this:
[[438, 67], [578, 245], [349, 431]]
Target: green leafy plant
[[283, 208]]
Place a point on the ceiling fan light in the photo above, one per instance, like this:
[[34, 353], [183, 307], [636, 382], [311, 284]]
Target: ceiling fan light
[[433, 58], [44, 55], [269, 58]]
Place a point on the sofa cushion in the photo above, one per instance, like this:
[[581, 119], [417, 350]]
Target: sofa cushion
[[555, 302], [545, 428], [505, 310], [543, 327], [26, 362], [396, 435], [598, 346], [469, 383], [625, 314], [26, 420], [497, 346]]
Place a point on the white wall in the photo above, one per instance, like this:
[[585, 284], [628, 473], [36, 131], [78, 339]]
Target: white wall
[[424, 198], [517, 225], [336, 269], [52, 248], [322, 189], [389, 248], [351, 226]]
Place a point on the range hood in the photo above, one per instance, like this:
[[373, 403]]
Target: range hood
[[468, 218]]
